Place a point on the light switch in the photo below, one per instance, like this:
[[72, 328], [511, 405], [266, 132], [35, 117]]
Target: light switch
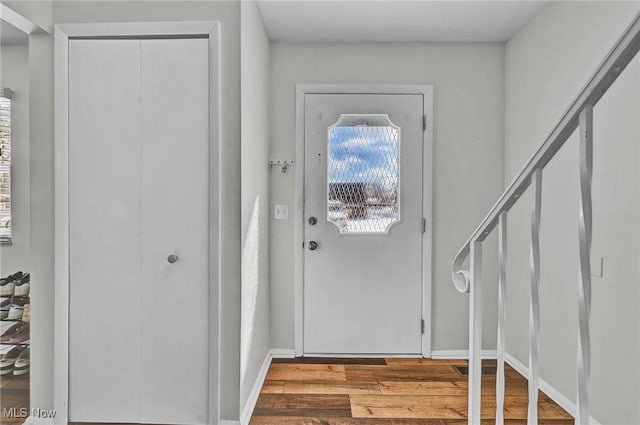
[[281, 212]]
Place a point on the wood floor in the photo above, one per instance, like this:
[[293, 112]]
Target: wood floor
[[392, 391], [14, 398]]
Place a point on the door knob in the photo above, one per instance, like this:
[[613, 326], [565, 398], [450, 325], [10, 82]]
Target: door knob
[[313, 221], [313, 245], [172, 258]]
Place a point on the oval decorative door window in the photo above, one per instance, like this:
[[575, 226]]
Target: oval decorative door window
[[363, 173]]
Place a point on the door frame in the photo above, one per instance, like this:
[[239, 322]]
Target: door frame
[[63, 32], [427, 192]]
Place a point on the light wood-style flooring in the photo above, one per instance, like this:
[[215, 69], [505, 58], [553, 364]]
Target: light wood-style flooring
[[392, 391]]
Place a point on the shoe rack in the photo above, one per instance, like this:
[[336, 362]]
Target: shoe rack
[[15, 318]]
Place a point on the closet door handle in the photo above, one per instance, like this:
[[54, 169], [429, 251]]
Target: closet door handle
[[172, 258]]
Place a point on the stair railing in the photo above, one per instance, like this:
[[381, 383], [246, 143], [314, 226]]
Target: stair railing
[[468, 279]]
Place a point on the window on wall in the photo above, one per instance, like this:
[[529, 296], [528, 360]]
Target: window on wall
[[363, 174], [5, 165]]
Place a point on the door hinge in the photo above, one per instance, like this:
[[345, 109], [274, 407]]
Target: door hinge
[[424, 123], [422, 326], [424, 225]]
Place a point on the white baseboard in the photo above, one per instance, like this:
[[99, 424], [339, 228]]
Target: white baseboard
[[364, 356], [275, 353], [546, 388], [48, 421], [32, 420], [460, 354], [282, 353], [245, 417]]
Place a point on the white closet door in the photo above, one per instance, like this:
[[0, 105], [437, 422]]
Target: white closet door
[[104, 220], [175, 211], [139, 193]]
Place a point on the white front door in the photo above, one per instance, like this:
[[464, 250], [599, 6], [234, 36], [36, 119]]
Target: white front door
[[363, 224], [138, 194]]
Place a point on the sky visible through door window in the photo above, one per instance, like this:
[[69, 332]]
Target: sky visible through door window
[[362, 170]]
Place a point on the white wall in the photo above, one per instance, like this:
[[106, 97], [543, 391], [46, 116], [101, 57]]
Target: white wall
[[38, 12], [255, 326], [41, 155], [468, 82], [547, 63], [14, 74]]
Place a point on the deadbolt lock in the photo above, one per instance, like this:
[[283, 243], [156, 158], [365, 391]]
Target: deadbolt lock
[[172, 258]]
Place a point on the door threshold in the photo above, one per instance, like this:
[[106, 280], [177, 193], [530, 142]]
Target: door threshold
[[363, 356]]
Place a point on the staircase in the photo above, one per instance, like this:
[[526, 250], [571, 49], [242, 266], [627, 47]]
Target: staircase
[[466, 269]]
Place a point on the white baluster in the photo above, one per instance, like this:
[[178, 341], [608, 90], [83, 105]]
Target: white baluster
[[534, 300], [584, 287], [502, 298], [475, 333]]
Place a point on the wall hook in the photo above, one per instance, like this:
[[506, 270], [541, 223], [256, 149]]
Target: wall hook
[[284, 164]]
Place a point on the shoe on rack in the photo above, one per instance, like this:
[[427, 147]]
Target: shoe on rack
[[26, 316], [21, 366], [7, 284], [5, 306], [17, 308], [13, 330], [8, 360], [21, 335], [22, 285]]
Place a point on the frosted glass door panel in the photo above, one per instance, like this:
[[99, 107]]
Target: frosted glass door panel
[[104, 245], [363, 174]]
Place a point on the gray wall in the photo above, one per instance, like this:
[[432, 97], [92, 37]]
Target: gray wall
[[41, 91], [468, 82], [256, 326], [14, 74], [547, 64], [40, 74]]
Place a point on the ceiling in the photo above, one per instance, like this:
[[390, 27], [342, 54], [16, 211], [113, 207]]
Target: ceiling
[[395, 20], [12, 36]]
